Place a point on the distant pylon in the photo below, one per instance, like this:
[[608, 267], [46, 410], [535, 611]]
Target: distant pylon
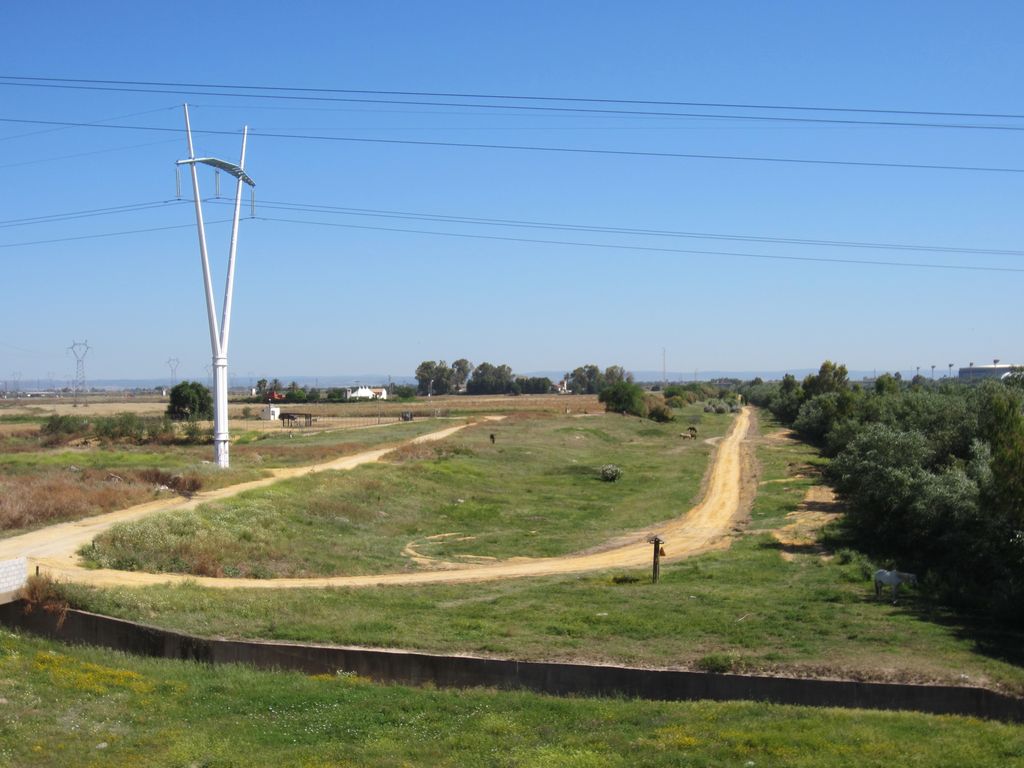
[[172, 363], [79, 349]]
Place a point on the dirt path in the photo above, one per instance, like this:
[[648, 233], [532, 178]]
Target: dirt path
[[704, 527], [55, 545]]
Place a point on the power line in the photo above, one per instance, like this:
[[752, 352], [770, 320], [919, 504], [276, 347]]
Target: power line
[[72, 215], [538, 241], [106, 234], [85, 154], [651, 249], [101, 120], [547, 149], [520, 223], [593, 111], [490, 221], [520, 97]]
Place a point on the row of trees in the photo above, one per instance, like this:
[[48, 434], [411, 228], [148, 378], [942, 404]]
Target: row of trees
[[589, 379], [933, 476], [294, 393], [439, 378]]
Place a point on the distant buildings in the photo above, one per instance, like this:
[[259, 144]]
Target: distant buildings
[[368, 393], [980, 372]]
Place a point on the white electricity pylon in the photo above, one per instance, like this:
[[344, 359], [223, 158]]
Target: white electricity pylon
[[218, 340]]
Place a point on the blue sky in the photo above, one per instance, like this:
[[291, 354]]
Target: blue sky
[[318, 299]]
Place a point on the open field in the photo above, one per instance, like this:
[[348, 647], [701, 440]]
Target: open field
[[63, 706], [533, 492], [40, 408], [765, 605], [41, 485]]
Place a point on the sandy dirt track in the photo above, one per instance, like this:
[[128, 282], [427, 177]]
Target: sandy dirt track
[[704, 527]]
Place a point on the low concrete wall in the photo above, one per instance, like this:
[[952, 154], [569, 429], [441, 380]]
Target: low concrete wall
[[13, 574], [388, 666]]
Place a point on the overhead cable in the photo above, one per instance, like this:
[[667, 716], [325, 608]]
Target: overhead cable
[[533, 148], [525, 224], [651, 249], [521, 97], [593, 111]]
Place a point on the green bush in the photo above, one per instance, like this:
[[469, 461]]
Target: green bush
[[120, 426], [190, 400], [65, 426], [196, 435], [624, 397], [716, 662], [403, 392]]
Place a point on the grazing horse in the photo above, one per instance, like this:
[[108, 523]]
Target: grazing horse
[[892, 579]]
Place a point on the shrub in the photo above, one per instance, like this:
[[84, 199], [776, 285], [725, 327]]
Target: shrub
[[716, 662], [190, 400], [196, 435], [610, 473], [624, 397], [659, 412], [184, 484], [43, 591], [65, 426], [160, 430], [120, 426]]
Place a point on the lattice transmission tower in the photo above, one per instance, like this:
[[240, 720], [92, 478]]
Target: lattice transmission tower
[[79, 349], [172, 363]]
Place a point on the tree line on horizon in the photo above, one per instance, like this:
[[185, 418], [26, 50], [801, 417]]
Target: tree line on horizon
[[439, 378]]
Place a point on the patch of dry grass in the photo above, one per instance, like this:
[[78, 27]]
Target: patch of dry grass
[[27, 501]]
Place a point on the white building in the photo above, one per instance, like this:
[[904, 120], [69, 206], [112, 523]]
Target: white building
[[270, 413], [368, 393]]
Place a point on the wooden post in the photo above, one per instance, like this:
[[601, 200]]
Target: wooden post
[[656, 567]]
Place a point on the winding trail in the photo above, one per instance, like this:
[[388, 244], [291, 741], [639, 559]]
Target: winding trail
[[704, 527]]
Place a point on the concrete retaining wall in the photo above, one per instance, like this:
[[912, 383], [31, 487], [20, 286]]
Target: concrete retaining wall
[[13, 574], [465, 671]]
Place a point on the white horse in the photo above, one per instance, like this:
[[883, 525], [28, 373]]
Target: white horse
[[892, 579]]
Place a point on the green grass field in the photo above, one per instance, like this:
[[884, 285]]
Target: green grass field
[[65, 707], [745, 609], [535, 491]]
